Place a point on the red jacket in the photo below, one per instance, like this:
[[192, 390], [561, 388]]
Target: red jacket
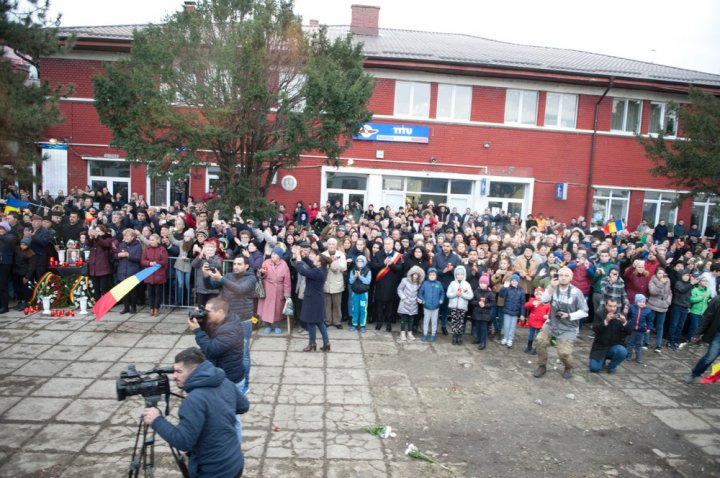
[[101, 250], [155, 254], [536, 319], [636, 283]]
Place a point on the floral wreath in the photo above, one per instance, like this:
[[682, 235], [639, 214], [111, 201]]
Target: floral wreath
[[82, 287], [47, 286]]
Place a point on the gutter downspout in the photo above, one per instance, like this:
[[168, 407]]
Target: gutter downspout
[[588, 192]]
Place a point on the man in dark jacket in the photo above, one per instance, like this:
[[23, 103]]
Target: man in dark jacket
[[237, 288], [41, 242], [207, 418], [445, 263], [8, 239], [387, 266], [709, 332], [611, 328]]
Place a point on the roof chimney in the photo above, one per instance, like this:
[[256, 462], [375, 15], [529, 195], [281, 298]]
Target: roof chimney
[[190, 6], [365, 19]]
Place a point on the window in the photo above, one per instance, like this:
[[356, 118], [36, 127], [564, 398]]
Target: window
[[521, 107], [212, 178], [561, 110], [118, 169], [663, 119], [413, 190], [454, 102], [509, 197], [346, 181], [412, 99], [507, 190], [657, 206], [626, 115], [705, 212], [610, 202]]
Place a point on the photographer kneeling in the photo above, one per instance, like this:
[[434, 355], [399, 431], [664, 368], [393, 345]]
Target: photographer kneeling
[[207, 418], [221, 340], [611, 329]]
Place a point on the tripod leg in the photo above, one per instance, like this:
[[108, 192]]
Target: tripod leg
[[134, 468], [148, 458]]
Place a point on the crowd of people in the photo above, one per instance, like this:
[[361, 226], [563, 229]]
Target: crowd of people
[[427, 269]]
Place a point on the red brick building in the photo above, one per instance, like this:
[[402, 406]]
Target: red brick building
[[458, 119]]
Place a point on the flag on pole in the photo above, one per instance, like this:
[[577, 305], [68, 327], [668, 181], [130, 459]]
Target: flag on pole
[[107, 301], [88, 217], [713, 377], [12, 204], [614, 227]]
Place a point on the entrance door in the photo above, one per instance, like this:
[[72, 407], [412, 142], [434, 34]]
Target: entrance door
[[115, 186], [346, 197], [511, 207]]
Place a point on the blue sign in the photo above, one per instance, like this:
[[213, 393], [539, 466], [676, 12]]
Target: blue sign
[[60, 146], [561, 191], [483, 187], [396, 133]]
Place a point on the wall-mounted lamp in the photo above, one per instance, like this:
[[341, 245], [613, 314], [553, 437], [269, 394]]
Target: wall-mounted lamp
[[487, 144], [433, 160]]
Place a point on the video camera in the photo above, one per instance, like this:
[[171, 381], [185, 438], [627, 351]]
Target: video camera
[[151, 383], [200, 314]]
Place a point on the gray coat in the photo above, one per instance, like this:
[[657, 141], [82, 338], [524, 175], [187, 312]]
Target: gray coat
[[408, 292], [660, 295]]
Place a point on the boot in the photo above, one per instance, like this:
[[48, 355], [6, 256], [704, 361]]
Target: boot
[[310, 348], [133, 309], [21, 305], [126, 310], [533, 352], [325, 348], [410, 336], [443, 329], [378, 326], [482, 346], [567, 373], [388, 327], [541, 370], [459, 339], [528, 349]]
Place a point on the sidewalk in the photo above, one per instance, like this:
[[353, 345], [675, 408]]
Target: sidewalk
[[478, 413]]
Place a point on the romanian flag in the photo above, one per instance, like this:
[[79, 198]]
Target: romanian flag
[[88, 217], [714, 376], [383, 272], [15, 205], [614, 227], [108, 300]]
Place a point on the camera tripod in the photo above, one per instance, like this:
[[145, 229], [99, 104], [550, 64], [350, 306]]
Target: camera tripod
[[145, 457]]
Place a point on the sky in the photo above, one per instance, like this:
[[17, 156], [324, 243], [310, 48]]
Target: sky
[[667, 32]]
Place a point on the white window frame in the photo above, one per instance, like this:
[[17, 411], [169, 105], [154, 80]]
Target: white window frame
[[665, 111], [625, 115], [562, 97], [454, 102], [599, 194], [293, 84], [707, 203], [210, 175], [414, 85], [523, 94], [665, 197]]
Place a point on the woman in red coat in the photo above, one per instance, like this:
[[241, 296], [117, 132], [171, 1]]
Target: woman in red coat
[[152, 255], [102, 245]]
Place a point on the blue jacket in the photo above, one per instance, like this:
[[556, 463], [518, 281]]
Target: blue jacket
[[224, 347], [432, 293], [642, 322], [130, 265], [207, 424], [514, 300]]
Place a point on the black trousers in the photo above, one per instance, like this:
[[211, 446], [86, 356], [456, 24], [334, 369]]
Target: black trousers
[[5, 271], [155, 292], [102, 284], [385, 311]]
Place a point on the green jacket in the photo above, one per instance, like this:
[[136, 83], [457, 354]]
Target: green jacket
[[699, 299]]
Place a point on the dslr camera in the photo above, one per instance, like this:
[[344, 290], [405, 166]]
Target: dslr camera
[[151, 383], [200, 314]]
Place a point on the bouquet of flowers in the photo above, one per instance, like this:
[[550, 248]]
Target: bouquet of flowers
[[413, 452], [48, 287], [381, 431]]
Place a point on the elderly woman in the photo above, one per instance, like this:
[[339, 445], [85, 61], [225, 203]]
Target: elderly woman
[[275, 275], [129, 254], [206, 259], [155, 254], [99, 268]]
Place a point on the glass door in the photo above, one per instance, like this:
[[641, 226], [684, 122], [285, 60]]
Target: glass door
[[121, 186], [346, 197]]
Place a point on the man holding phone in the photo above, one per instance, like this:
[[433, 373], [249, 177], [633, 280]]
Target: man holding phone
[[611, 329]]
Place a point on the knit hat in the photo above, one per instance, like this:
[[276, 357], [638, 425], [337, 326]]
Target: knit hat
[[203, 232], [614, 267], [515, 277], [538, 289], [189, 233], [484, 279], [26, 240], [640, 298], [278, 251]]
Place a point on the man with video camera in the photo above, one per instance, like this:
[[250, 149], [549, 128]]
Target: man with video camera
[[207, 418]]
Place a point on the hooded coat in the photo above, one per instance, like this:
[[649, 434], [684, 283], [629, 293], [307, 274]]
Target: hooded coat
[[459, 300], [432, 294], [408, 291], [660, 295], [207, 424], [313, 306], [360, 284]]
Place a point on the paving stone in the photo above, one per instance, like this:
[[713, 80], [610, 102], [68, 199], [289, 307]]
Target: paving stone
[[710, 415], [120, 340], [7, 402], [295, 444], [306, 376], [356, 468], [113, 440], [267, 358], [298, 417], [62, 437], [158, 341], [15, 434], [349, 394], [258, 417], [301, 394], [35, 464], [36, 409], [348, 347], [85, 369], [137, 355], [379, 377], [253, 442], [135, 327], [186, 341], [83, 338], [94, 465], [98, 353], [64, 352], [650, 398], [88, 411], [681, 420], [338, 376], [165, 328], [380, 348], [62, 387], [263, 392], [45, 337], [265, 374], [345, 360], [276, 344], [708, 442], [66, 324], [302, 359], [34, 322], [17, 385], [13, 335], [24, 351], [8, 365], [352, 418], [299, 468], [353, 445], [41, 368]]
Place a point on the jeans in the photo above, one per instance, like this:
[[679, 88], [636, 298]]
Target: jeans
[[713, 352], [497, 317], [616, 354], [694, 323], [182, 296], [659, 321], [323, 332], [532, 333], [677, 323], [238, 423], [509, 325]]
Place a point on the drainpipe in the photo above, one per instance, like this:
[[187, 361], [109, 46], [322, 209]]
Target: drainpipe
[[588, 199]]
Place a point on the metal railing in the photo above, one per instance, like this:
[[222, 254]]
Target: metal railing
[[180, 291]]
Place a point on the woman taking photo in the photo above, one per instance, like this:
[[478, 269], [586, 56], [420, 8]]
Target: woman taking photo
[[314, 268]]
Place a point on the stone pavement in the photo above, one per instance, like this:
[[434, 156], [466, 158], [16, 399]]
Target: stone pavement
[[479, 413]]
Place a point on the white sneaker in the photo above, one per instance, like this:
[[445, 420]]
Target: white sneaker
[[410, 336], [402, 336], [682, 345], [503, 342]]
